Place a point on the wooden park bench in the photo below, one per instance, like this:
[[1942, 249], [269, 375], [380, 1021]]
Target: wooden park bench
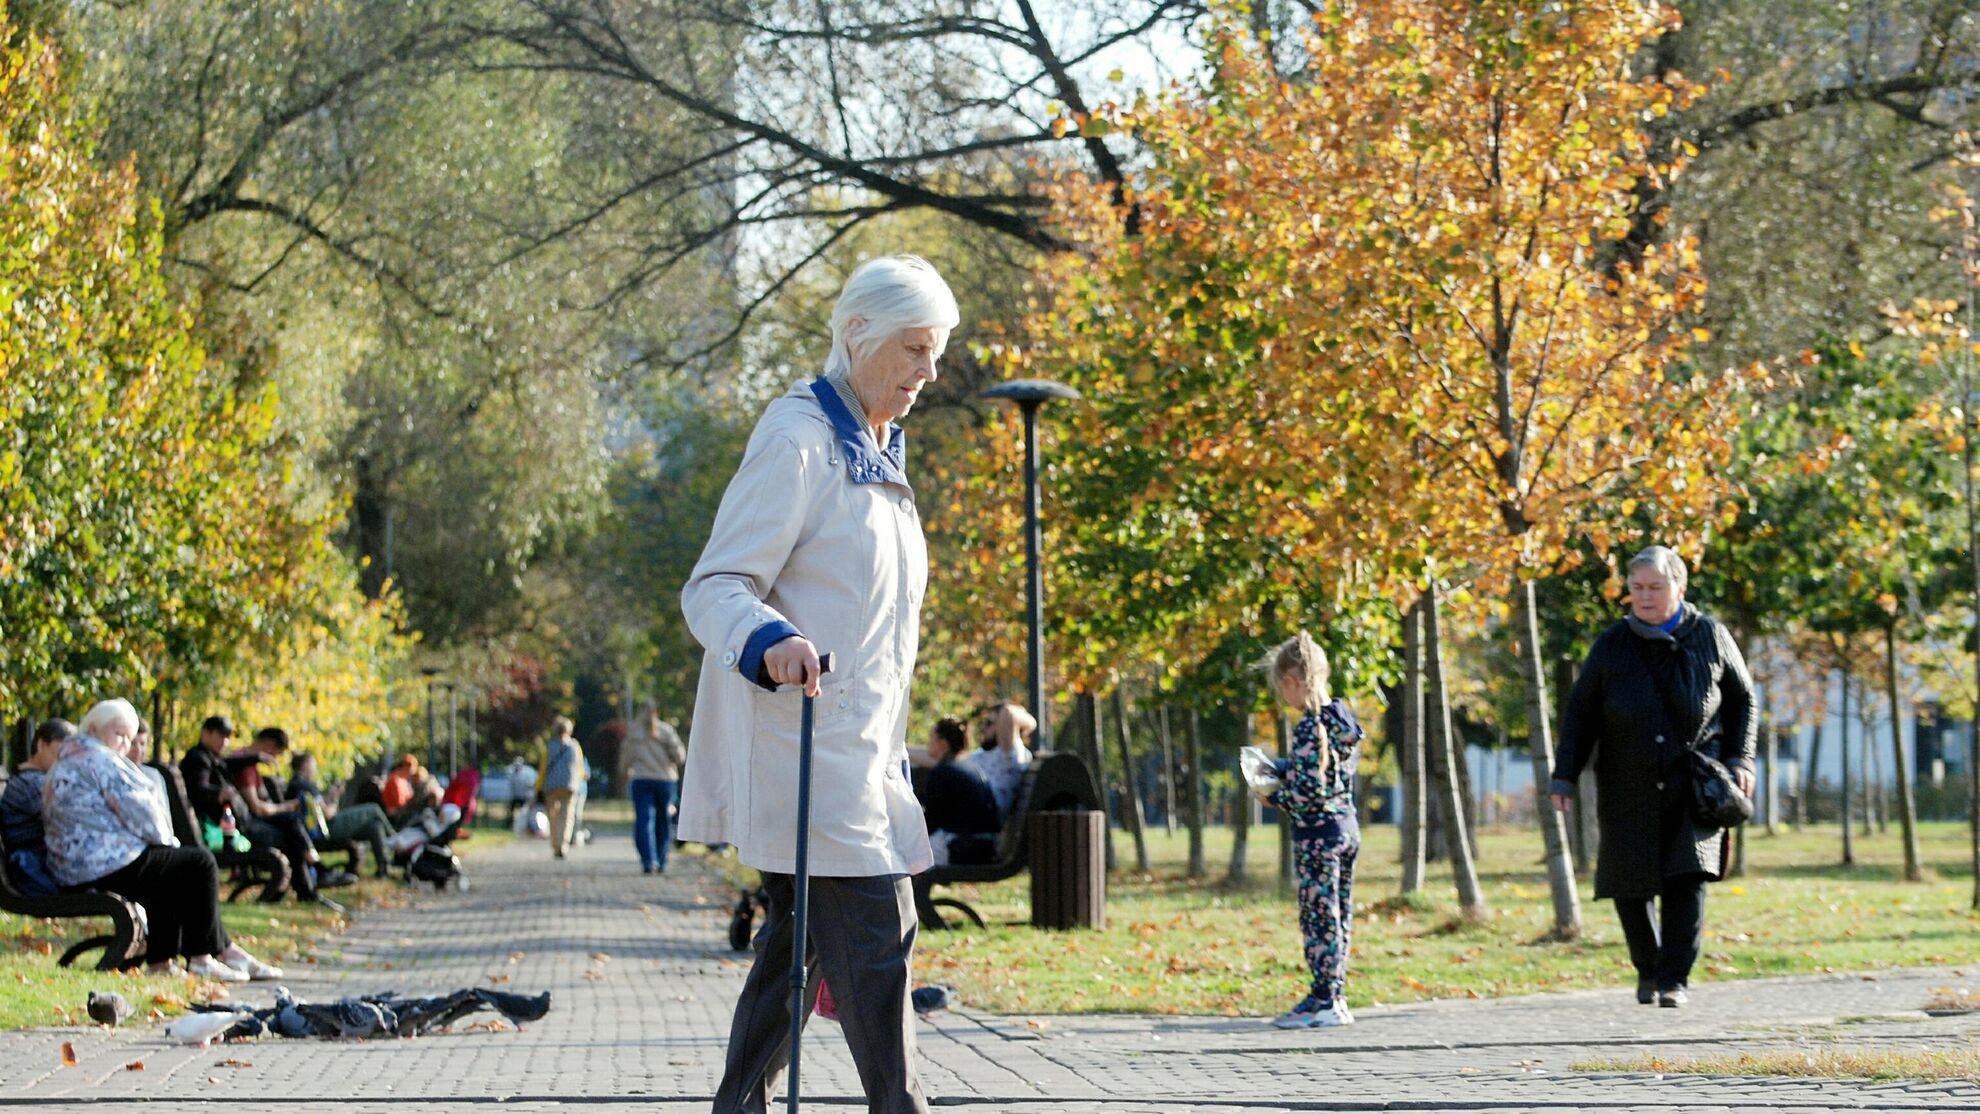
[[1054, 781], [123, 945]]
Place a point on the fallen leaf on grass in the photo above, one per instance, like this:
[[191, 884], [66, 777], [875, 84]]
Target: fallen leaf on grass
[[20, 976], [44, 947], [68, 1055], [172, 1000], [134, 1065]]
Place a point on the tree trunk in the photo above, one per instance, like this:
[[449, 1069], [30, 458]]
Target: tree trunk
[[1815, 740], [1240, 815], [1464, 872], [1773, 780], [1409, 756], [1553, 826], [1907, 803], [1873, 764], [1969, 449], [1842, 725], [1193, 790], [1161, 718], [371, 517], [1088, 711], [1130, 785]]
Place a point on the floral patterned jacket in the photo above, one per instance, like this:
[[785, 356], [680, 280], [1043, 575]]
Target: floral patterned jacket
[[101, 812], [1316, 788]]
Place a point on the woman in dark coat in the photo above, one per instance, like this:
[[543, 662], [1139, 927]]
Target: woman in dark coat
[[1664, 679]]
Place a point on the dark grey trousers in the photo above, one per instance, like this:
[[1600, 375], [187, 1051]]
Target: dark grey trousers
[[861, 934], [1665, 934]]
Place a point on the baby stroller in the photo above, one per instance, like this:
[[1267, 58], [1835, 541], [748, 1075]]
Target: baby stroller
[[423, 848]]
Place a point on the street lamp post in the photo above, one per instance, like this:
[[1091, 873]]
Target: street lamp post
[[1030, 395], [430, 672]]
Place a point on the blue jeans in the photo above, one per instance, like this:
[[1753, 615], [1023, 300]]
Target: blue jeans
[[653, 822]]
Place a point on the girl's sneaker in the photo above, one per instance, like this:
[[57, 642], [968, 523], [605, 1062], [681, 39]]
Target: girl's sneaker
[[1336, 1014], [1305, 1015]]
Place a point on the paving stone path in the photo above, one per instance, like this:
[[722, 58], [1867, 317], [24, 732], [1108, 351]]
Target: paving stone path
[[643, 983]]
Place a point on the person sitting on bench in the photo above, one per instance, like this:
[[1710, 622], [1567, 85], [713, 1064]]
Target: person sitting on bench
[[332, 825], [272, 821], [20, 812], [1002, 731], [107, 830], [961, 810]]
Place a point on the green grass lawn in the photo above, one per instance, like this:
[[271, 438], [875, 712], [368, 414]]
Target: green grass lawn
[[1173, 946], [34, 992]]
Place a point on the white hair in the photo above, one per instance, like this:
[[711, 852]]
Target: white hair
[[108, 714], [887, 294], [1663, 559]]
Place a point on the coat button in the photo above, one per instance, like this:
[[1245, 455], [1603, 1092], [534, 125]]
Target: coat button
[[1660, 738], [729, 658], [907, 502]]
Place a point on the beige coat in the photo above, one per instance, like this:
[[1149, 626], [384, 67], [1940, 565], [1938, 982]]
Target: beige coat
[[798, 540]]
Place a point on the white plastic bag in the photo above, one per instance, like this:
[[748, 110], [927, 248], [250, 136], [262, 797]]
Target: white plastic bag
[[1261, 773]]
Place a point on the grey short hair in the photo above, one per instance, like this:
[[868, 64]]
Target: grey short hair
[[108, 714], [888, 294], [1663, 559]]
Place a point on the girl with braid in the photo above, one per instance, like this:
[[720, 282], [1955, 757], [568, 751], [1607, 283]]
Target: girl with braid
[[1316, 792]]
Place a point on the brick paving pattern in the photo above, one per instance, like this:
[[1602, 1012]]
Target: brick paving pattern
[[643, 983]]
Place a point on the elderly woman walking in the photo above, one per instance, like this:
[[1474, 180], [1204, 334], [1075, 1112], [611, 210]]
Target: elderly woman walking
[[1665, 681], [817, 547]]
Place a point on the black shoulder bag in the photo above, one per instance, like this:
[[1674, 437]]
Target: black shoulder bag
[[1716, 801]]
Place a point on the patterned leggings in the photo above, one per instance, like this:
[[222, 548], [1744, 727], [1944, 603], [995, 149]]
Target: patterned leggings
[[1325, 868]]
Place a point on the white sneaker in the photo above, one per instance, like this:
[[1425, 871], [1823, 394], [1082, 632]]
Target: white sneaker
[[257, 971], [1336, 1015], [211, 969]]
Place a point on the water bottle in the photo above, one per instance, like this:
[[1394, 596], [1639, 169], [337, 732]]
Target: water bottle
[[228, 829]]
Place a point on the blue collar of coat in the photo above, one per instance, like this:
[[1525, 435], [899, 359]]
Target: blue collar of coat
[[863, 465]]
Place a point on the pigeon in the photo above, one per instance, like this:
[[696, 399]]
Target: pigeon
[[516, 1007], [929, 999], [108, 1008], [289, 1022], [245, 1027], [200, 1029]]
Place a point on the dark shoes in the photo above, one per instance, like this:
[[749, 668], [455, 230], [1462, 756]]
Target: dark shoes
[[1673, 998], [1646, 992]]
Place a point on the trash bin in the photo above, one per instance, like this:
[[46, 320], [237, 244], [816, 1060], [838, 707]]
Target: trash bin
[[1068, 868]]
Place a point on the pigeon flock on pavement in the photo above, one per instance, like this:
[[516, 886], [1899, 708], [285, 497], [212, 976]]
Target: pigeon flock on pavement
[[353, 1018]]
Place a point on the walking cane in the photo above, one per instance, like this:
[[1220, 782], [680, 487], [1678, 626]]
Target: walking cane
[[801, 890]]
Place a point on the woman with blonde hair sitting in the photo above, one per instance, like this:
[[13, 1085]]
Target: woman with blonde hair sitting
[[108, 828]]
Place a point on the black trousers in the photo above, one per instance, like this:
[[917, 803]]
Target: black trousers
[[179, 888], [861, 934], [285, 832], [1664, 942]]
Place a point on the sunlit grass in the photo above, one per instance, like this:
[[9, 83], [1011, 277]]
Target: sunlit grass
[[1875, 1065], [1175, 946]]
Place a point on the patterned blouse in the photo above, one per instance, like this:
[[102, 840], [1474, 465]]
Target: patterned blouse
[[101, 813], [1310, 793], [1003, 768]]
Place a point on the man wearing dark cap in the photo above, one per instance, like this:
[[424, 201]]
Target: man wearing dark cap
[[210, 785]]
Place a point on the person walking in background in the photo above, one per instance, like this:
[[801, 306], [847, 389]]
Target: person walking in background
[[1664, 681], [818, 546], [1316, 792], [650, 768], [1003, 732], [558, 780]]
